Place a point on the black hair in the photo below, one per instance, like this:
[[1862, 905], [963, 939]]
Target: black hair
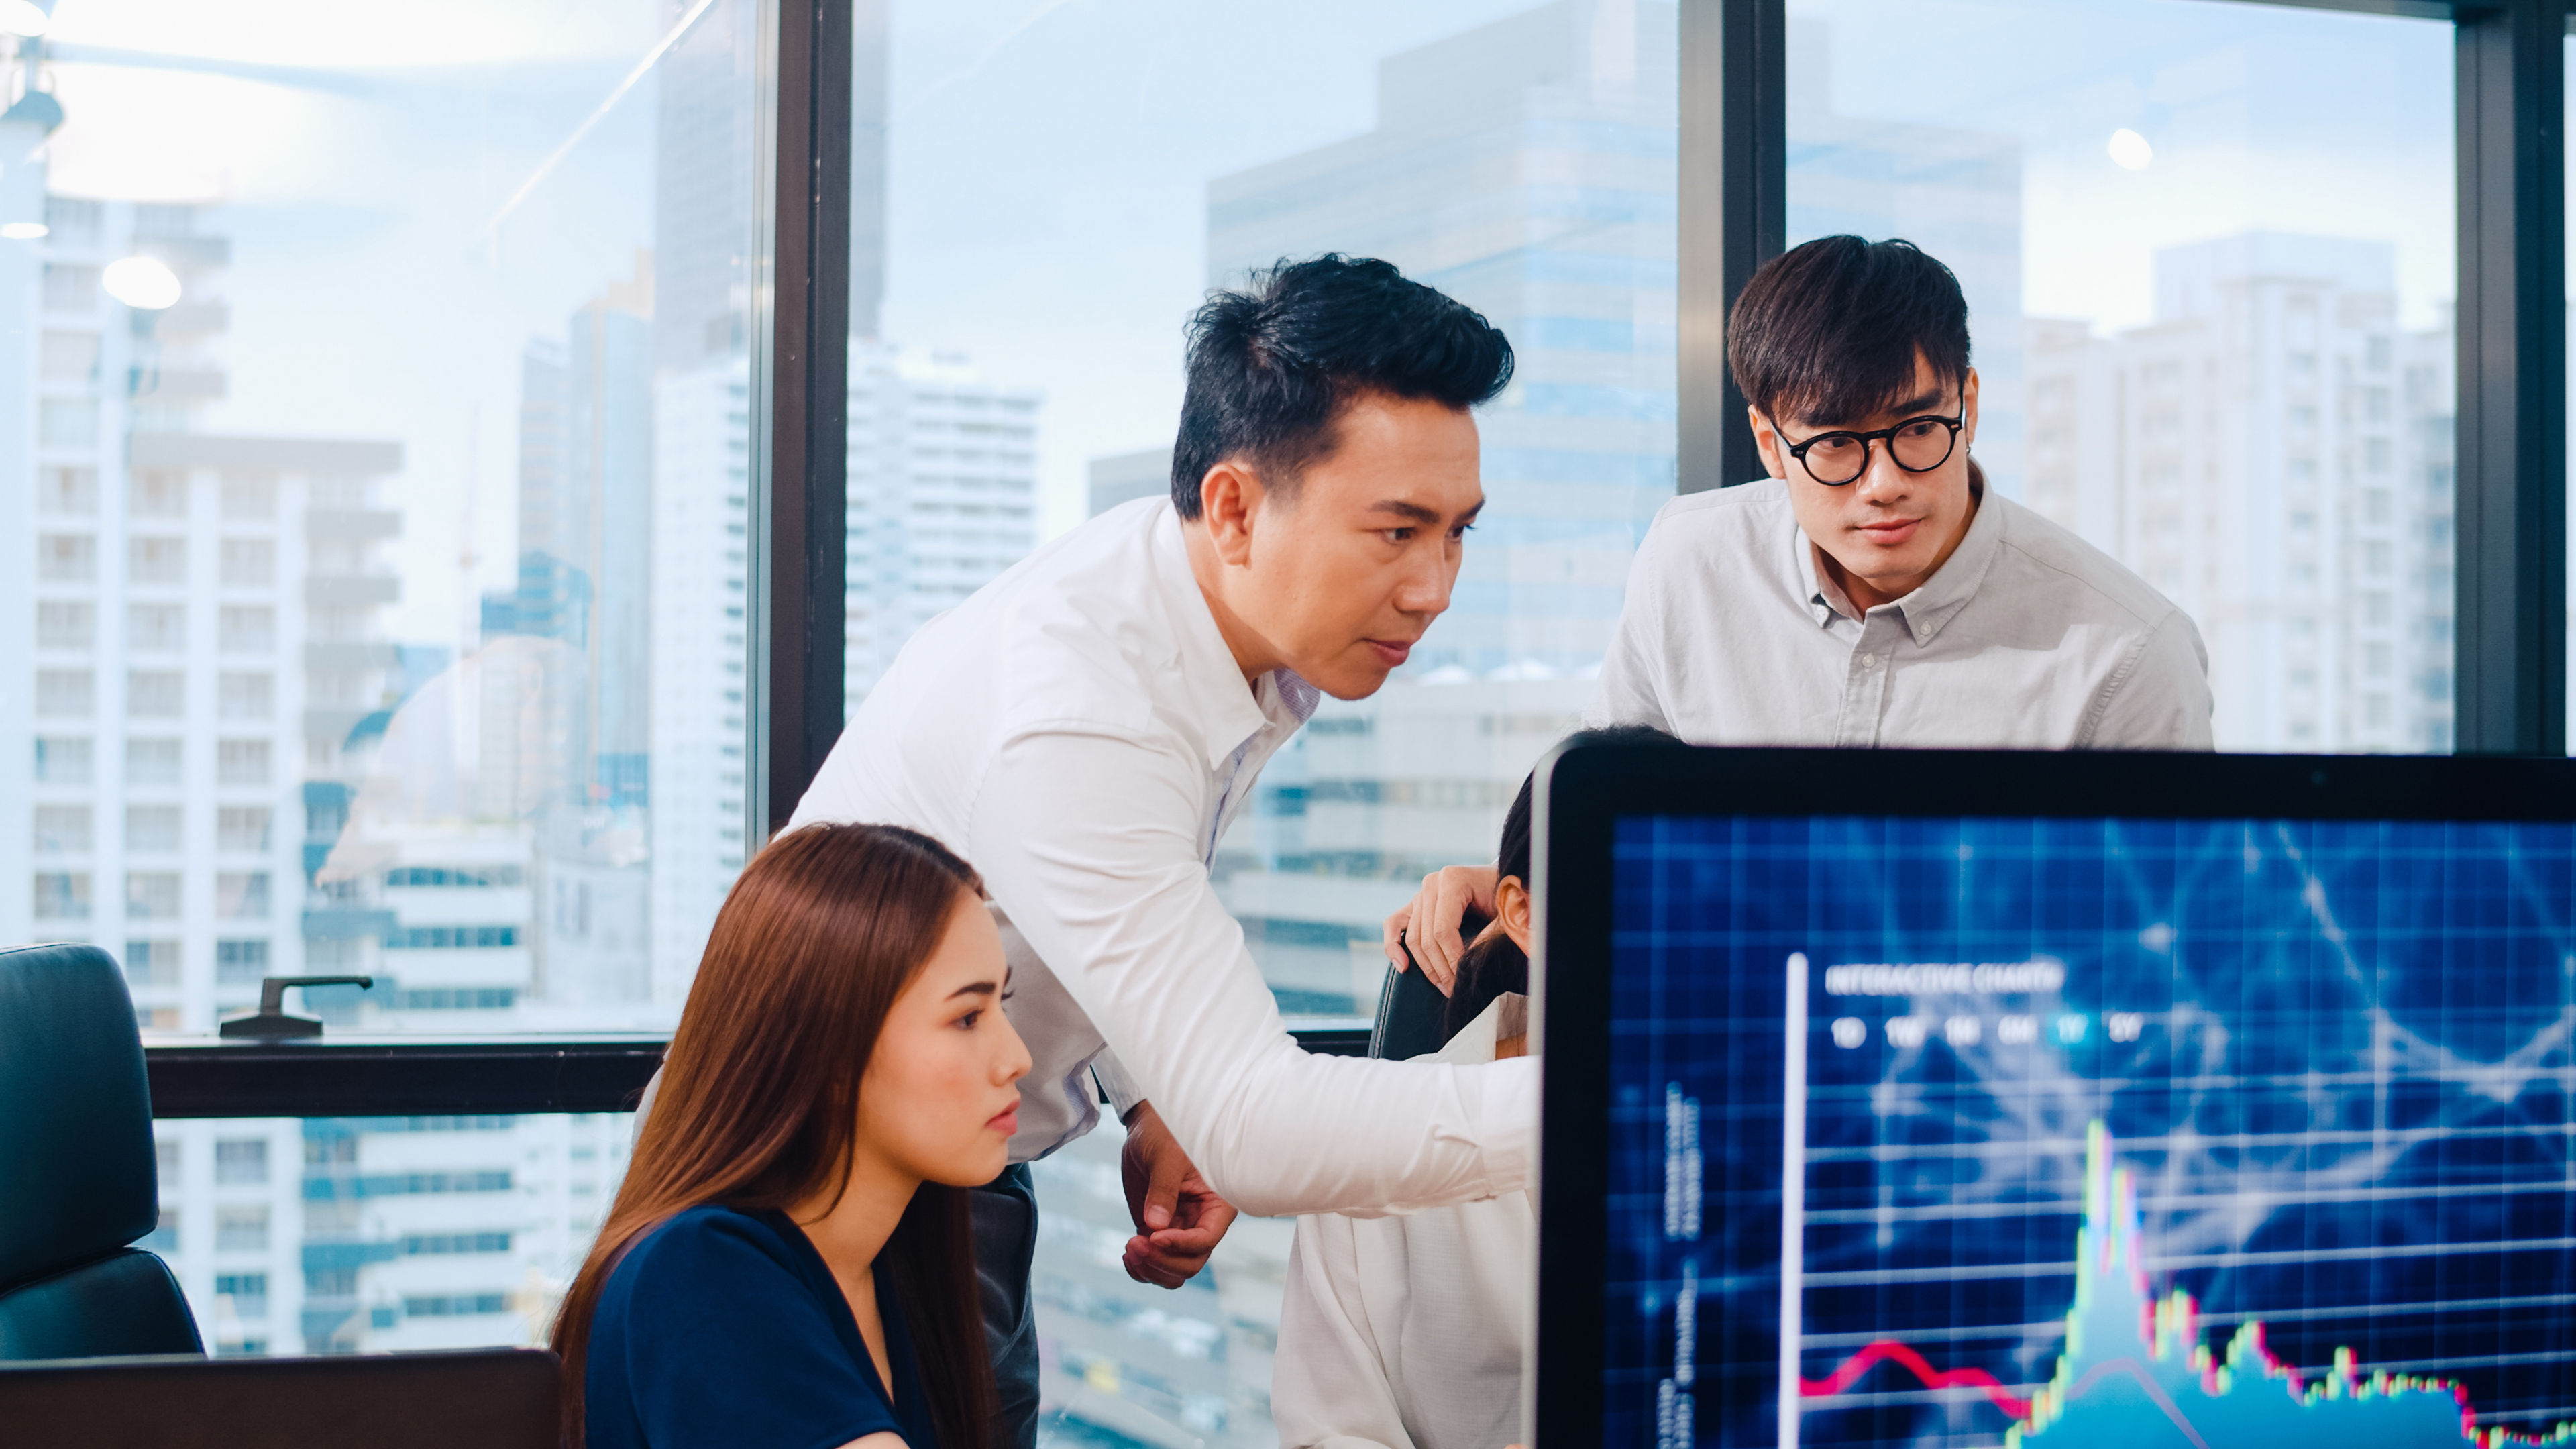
[[1828, 331], [1497, 964], [1271, 366]]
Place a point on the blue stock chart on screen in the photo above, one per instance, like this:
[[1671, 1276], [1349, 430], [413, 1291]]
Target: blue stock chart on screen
[[2105, 1134]]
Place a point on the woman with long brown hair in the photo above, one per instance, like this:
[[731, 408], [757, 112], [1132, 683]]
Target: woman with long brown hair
[[789, 1261]]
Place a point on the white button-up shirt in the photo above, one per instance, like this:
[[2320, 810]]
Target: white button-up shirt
[[1079, 731], [1407, 1333], [2027, 638]]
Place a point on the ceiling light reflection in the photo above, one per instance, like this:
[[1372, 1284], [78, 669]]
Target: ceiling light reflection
[[144, 283]]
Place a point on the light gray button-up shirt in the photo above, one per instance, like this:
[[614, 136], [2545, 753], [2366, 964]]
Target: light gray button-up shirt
[[2027, 638]]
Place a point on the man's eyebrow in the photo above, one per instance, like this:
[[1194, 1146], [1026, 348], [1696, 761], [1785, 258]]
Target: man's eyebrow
[[1417, 512]]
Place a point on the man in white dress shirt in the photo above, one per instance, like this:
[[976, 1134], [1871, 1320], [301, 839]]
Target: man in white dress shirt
[[1085, 727], [1871, 592]]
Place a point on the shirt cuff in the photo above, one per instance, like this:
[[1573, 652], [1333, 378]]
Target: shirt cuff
[[1115, 1084]]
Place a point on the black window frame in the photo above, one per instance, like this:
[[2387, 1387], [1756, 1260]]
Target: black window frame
[[2511, 474]]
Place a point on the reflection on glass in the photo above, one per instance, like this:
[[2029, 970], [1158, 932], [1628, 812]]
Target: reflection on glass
[[2208, 254], [386, 486]]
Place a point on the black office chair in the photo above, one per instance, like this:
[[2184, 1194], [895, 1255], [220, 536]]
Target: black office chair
[[76, 1167], [1410, 1014]]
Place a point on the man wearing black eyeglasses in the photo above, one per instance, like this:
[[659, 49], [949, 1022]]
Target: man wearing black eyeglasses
[[1872, 591]]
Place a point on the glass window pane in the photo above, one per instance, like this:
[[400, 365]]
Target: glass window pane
[[2209, 253], [1054, 194], [381, 1234], [373, 373]]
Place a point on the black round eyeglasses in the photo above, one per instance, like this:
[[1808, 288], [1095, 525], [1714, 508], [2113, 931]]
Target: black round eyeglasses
[[1918, 445]]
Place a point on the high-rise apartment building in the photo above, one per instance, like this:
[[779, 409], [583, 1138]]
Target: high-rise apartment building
[[444, 1232], [700, 625], [206, 629], [206, 651], [2272, 452], [942, 496]]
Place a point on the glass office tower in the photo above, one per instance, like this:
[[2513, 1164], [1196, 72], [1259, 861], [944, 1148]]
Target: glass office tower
[[1524, 167]]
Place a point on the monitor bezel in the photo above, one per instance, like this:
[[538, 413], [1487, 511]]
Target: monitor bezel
[[1583, 791]]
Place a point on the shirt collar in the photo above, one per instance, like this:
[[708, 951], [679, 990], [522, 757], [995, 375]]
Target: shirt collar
[[1506, 1015], [1938, 599], [1229, 715]]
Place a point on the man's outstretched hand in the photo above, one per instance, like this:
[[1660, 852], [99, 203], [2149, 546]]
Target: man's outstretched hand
[[1179, 1218]]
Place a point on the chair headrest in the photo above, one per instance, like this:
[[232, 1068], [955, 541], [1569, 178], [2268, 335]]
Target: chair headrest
[[76, 1159]]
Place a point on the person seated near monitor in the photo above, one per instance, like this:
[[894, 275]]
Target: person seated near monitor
[[1872, 591], [789, 1262], [1406, 1331]]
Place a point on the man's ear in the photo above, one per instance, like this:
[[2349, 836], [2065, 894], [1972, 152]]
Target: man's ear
[[1968, 405], [1512, 908], [1768, 441], [1229, 500]]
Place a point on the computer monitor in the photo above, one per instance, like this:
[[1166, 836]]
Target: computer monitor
[[2112, 1101]]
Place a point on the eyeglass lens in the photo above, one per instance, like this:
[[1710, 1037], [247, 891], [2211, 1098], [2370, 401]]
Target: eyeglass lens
[[1920, 446]]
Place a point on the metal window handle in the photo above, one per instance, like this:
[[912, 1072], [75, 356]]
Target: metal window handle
[[272, 989], [271, 1023]]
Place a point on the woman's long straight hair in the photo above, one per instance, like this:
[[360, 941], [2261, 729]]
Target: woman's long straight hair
[[760, 1090]]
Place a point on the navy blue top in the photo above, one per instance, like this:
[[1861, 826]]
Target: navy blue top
[[726, 1328]]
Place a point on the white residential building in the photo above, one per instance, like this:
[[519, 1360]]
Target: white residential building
[[448, 1232], [2273, 452], [206, 629], [200, 637], [699, 632], [942, 496]]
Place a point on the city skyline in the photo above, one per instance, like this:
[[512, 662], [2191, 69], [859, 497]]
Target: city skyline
[[513, 550]]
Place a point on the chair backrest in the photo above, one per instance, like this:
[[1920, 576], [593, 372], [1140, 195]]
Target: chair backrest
[[489, 1399], [76, 1166], [1409, 1016]]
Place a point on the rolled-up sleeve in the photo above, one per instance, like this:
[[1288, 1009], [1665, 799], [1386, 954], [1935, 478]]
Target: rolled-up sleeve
[[1088, 839]]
